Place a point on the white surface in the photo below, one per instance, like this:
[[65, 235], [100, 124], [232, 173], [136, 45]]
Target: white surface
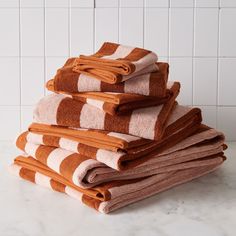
[[185, 33], [106, 26], [156, 40], [81, 40], [181, 32], [32, 31], [203, 207], [204, 81], [56, 34], [206, 32], [129, 33]]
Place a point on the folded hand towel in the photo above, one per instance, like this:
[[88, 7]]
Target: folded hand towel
[[149, 84], [56, 109], [78, 168], [120, 103], [114, 63], [116, 194]]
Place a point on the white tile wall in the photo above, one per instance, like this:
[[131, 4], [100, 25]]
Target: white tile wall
[[197, 37]]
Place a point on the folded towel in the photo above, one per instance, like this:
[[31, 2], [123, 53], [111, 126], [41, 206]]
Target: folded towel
[[182, 122], [56, 109], [120, 103], [115, 194], [148, 84], [91, 167], [114, 63]]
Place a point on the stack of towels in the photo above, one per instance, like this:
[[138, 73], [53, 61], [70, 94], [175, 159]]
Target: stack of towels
[[112, 133]]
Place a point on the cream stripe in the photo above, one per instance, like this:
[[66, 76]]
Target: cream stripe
[[109, 158], [34, 138], [125, 137], [95, 103], [138, 85], [142, 122], [73, 193], [48, 103], [31, 149], [91, 117], [102, 206], [151, 68], [86, 83], [121, 52], [56, 157], [42, 180], [81, 170], [170, 84], [69, 144], [150, 58]]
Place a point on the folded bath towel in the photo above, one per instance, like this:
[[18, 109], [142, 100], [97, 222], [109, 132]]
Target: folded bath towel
[[56, 109], [182, 122], [114, 63], [116, 194], [120, 103], [148, 84], [91, 169]]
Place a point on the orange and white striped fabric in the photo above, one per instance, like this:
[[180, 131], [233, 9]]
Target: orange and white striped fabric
[[148, 84], [94, 166], [149, 123], [114, 63], [114, 195]]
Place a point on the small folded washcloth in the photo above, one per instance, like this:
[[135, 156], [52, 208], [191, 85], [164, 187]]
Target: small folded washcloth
[[114, 63]]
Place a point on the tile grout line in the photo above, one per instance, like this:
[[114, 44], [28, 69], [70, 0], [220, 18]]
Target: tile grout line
[[118, 21], [144, 21], [94, 22], [44, 44], [168, 37], [217, 69], [20, 69], [193, 51], [69, 28]]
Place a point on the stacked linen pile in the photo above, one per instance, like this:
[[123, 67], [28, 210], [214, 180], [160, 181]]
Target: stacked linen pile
[[112, 133]]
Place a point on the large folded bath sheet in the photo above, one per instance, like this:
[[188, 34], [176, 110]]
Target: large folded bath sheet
[[149, 84], [113, 195], [114, 63], [94, 166], [57, 109]]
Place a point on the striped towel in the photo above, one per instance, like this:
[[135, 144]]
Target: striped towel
[[114, 63], [86, 143], [149, 123], [113, 195], [120, 103], [182, 121], [148, 84], [99, 166]]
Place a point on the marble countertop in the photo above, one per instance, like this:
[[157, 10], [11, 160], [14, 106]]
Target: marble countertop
[[205, 207]]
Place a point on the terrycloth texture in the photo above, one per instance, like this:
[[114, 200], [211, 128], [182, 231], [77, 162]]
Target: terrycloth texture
[[56, 109], [148, 84], [182, 122], [114, 63], [90, 170], [121, 160], [116, 194], [120, 103]]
